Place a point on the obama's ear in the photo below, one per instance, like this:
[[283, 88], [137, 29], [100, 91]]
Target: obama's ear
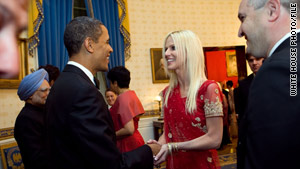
[[88, 43]]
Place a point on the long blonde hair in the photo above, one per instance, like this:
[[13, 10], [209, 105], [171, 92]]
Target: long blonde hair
[[190, 52]]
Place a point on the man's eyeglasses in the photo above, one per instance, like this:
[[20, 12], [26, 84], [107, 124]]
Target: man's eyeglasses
[[44, 89]]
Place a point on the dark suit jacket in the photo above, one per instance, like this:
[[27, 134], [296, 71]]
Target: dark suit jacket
[[241, 101], [80, 132], [241, 95], [271, 136], [29, 133]]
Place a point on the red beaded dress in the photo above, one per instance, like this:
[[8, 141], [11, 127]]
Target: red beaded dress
[[127, 107], [182, 126]]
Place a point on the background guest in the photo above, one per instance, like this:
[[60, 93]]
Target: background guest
[[29, 128], [243, 90], [53, 73], [233, 127], [126, 110], [229, 85], [242, 93], [226, 136], [110, 96]]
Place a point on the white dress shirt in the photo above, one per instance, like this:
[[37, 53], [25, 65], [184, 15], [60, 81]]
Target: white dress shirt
[[280, 42], [85, 70]]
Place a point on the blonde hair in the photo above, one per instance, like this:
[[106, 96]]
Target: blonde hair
[[190, 53]]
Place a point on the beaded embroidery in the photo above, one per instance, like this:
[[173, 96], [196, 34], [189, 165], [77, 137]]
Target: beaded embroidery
[[213, 108], [204, 128]]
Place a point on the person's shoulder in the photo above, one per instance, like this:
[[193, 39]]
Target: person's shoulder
[[71, 81], [127, 97], [212, 85], [208, 83], [27, 111], [247, 80], [25, 118], [208, 86]]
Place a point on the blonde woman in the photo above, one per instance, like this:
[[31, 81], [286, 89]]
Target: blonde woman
[[192, 107]]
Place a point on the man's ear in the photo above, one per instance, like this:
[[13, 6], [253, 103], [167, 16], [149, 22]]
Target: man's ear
[[273, 9], [88, 44]]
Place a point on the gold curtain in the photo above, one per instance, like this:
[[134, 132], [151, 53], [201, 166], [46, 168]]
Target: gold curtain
[[35, 19], [124, 26]]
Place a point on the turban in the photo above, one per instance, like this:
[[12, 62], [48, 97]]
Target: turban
[[31, 83]]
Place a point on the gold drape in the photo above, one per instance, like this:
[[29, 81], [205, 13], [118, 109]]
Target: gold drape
[[124, 26], [35, 19]]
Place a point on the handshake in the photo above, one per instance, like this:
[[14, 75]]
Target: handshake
[[160, 151]]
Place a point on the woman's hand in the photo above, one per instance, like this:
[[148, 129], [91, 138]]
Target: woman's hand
[[162, 155]]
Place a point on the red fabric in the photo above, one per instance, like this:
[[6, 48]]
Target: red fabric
[[216, 66], [131, 142], [127, 107], [181, 126]]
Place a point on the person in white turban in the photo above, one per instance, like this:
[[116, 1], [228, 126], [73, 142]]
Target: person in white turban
[[29, 127]]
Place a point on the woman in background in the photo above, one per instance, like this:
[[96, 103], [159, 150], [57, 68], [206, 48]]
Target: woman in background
[[111, 97], [125, 111], [193, 123]]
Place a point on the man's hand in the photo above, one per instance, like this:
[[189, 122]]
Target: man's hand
[[155, 147]]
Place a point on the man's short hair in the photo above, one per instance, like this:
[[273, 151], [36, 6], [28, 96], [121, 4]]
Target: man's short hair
[[249, 55], [229, 83], [53, 71], [78, 30], [257, 4]]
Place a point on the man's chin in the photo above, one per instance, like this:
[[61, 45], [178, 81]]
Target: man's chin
[[104, 69]]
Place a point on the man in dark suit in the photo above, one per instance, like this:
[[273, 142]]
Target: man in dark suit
[[270, 136], [241, 92], [29, 128], [80, 132], [241, 95]]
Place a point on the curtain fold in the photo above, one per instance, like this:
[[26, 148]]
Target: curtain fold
[[35, 19], [124, 26], [107, 12], [51, 50]]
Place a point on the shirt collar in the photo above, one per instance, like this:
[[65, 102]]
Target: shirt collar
[[280, 42], [85, 70]]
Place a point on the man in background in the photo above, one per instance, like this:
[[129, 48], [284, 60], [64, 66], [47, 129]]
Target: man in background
[[29, 128], [269, 136], [80, 131], [241, 92], [13, 14], [53, 73]]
